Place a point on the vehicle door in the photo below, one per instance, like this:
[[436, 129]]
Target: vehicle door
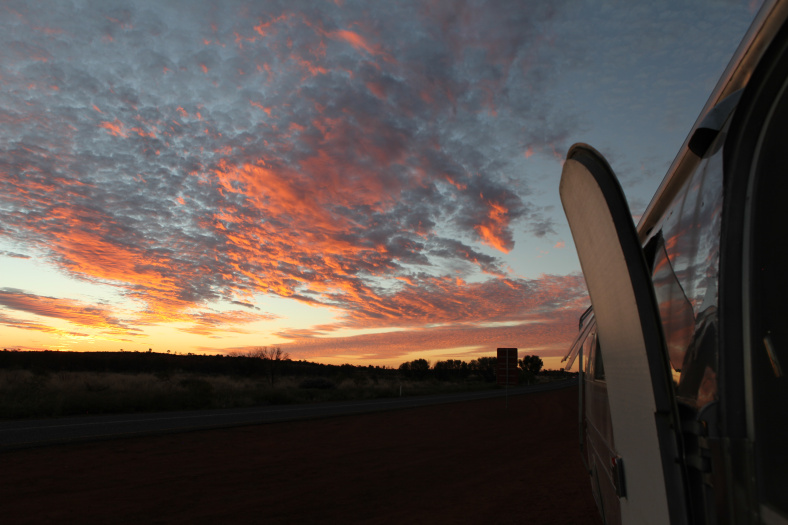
[[637, 374]]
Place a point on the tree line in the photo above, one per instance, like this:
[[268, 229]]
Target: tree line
[[483, 368], [264, 362]]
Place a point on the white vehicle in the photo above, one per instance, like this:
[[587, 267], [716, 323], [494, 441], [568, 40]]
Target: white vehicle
[[685, 420]]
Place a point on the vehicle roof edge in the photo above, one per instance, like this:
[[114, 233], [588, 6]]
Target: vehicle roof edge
[[763, 29]]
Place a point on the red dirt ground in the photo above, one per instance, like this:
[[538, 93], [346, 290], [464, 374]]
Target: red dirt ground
[[473, 462]]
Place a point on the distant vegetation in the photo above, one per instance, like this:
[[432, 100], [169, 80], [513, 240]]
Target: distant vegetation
[[482, 369], [48, 384]]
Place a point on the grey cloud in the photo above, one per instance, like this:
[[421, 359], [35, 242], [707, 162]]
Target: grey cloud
[[542, 226], [452, 249], [14, 255]]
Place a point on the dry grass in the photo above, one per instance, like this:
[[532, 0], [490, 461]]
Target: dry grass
[[25, 394]]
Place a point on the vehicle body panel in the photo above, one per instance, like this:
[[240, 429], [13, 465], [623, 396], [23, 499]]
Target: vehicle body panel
[[624, 311]]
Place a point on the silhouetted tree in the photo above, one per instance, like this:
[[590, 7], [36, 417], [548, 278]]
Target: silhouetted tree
[[484, 367], [531, 365], [420, 368], [416, 369], [272, 358], [450, 370]]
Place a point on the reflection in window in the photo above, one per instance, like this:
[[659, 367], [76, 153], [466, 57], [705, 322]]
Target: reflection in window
[[675, 310], [595, 368], [685, 272], [589, 346], [599, 366]]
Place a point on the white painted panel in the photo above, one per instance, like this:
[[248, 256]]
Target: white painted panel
[[632, 405]]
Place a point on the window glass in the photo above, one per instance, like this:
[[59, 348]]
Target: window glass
[[599, 366], [586, 324], [675, 309], [685, 274], [768, 328], [595, 368], [589, 345]]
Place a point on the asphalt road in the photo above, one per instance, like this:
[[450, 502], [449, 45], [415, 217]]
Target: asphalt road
[[41, 432]]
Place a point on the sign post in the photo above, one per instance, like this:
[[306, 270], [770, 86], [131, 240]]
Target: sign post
[[506, 374]]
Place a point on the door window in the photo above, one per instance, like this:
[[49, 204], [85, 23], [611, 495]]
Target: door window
[[685, 272]]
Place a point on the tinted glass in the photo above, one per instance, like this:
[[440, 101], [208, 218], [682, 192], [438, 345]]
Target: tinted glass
[[769, 337], [589, 345], [685, 274], [599, 366]]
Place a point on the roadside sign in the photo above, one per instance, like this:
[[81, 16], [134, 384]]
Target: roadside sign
[[507, 372]]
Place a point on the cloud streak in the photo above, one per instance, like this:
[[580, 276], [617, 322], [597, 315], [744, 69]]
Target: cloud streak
[[546, 335], [99, 317], [102, 317]]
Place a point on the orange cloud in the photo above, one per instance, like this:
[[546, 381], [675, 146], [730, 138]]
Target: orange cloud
[[447, 300], [263, 27], [358, 42], [142, 133], [377, 89], [260, 106], [12, 322], [240, 39], [354, 39], [211, 323], [309, 66], [540, 335], [493, 230], [115, 128], [92, 316]]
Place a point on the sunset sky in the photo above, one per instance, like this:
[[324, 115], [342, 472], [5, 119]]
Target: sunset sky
[[362, 182]]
